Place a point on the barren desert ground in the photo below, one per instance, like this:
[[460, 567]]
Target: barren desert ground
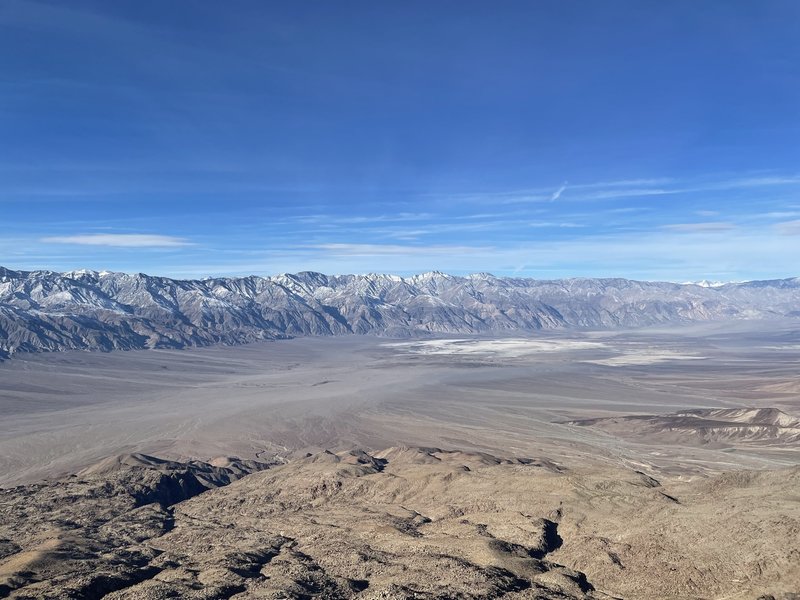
[[512, 396], [639, 465]]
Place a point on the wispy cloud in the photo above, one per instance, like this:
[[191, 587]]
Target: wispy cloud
[[613, 193], [120, 240], [361, 219], [624, 183], [788, 227], [665, 254], [397, 250], [557, 194], [626, 188], [547, 224], [628, 209], [710, 226], [749, 251], [760, 181], [782, 214]]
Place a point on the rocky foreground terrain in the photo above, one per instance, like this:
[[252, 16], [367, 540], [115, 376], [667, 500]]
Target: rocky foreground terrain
[[398, 524], [47, 311]]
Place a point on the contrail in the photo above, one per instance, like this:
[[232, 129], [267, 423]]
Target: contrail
[[557, 194]]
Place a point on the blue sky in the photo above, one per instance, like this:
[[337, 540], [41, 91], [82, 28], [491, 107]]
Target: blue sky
[[643, 139]]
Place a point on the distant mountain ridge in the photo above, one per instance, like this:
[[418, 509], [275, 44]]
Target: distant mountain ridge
[[48, 311]]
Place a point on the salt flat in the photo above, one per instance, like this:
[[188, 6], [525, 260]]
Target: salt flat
[[506, 348], [644, 357]]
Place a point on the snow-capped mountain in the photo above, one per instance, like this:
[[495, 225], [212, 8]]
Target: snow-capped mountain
[[706, 283], [47, 311]]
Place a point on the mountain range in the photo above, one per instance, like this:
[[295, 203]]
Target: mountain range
[[90, 310]]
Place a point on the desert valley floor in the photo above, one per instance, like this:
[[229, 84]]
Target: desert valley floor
[[657, 463]]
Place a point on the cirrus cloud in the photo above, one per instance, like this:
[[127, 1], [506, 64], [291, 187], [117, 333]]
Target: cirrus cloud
[[789, 227], [120, 240], [701, 227]]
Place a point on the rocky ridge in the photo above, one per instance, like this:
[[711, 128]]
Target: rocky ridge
[[84, 536], [714, 427]]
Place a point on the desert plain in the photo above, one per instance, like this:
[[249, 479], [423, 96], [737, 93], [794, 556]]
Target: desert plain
[[655, 463]]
